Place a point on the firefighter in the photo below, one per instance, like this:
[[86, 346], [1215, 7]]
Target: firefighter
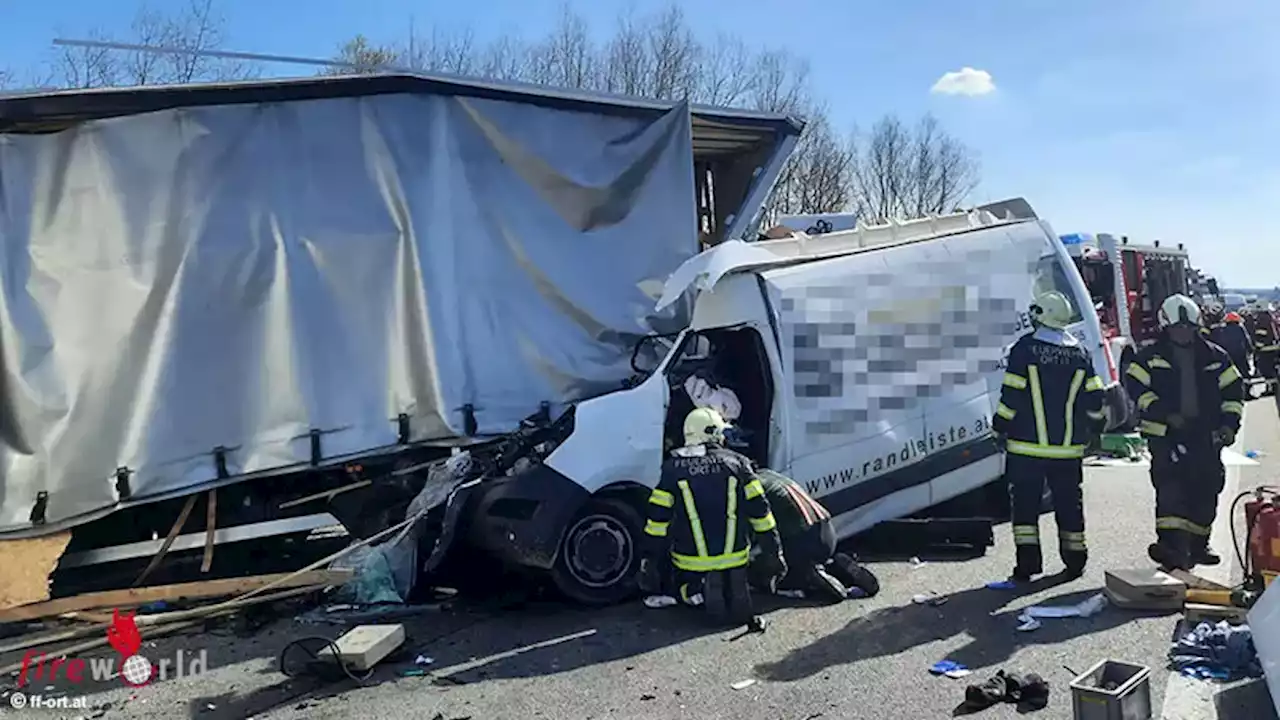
[[1213, 319], [706, 509], [1190, 400], [1051, 407], [1232, 337], [1266, 346], [809, 545]]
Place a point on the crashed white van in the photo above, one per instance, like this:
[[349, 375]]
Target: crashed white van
[[867, 364]]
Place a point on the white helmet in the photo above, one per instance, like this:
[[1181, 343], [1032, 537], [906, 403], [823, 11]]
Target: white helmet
[[1051, 309], [702, 426], [1179, 309]]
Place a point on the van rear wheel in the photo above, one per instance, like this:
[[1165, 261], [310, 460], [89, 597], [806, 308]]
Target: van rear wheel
[[600, 553]]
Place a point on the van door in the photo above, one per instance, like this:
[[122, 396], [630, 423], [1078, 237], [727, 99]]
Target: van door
[[852, 420]]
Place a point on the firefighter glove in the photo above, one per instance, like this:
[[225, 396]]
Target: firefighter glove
[[647, 578], [1226, 436], [773, 565]]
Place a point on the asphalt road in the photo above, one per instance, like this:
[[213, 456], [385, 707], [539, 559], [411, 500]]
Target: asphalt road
[[861, 659]]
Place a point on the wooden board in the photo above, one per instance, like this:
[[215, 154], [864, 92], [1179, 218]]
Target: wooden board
[[25, 566], [1195, 581], [181, 591]]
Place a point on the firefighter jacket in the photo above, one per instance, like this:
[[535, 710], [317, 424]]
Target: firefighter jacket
[[707, 507], [1155, 384], [793, 508], [1264, 334], [1051, 401], [1231, 337]]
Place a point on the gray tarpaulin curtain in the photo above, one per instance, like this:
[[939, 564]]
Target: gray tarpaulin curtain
[[240, 275]]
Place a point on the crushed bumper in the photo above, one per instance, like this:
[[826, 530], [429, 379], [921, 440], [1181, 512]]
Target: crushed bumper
[[520, 520]]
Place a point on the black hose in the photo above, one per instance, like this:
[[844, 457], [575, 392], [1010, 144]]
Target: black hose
[[315, 663]]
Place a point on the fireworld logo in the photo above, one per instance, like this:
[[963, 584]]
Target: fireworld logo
[[134, 669]]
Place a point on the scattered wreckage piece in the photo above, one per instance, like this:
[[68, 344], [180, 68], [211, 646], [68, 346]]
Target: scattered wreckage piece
[[251, 591], [151, 626], [364, 646], [182, 591]]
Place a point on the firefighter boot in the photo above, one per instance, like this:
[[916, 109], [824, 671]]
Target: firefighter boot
[[1170, 550], [817, 580], [728, 597], [1028, 563], [1075, 562], [1202, 555]]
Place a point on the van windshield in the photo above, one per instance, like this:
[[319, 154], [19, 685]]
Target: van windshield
[[1051, 275]]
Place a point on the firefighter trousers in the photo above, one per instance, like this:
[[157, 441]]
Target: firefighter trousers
[[1027, 477], [724, 595], [1241, 360], [1188, 476], [1265, 360]]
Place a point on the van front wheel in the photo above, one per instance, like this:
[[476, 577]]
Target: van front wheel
[[600, 553]]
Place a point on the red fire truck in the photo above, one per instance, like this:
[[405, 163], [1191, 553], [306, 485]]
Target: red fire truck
[[1128, 282]]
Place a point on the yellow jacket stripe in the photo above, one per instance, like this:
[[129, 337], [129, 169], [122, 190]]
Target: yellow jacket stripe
[[731, 527], [1037, 405], [695, 523], [1076, 381], [1050, 452]]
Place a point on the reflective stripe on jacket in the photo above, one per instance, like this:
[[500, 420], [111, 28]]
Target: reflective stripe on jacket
[[794, 509], [1153, 382], [706, 508], [1050, 401]]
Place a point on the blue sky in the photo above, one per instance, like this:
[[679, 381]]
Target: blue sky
[[1151, 118]]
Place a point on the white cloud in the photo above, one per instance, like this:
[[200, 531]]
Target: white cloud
[[965, 81]]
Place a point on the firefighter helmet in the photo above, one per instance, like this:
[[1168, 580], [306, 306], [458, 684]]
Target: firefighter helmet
[[1178, 310], [1234, 317], [1051, 309], [702, 426]]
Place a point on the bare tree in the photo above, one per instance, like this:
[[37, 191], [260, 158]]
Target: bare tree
[[627, 69], [193, 29], [900, 172], [894, 172], [673, 52], [197, 28], [819, 176], [359, 56], [881, 165], [440, 52], [725, 73], [85, 67], [505, 59], [567, 58]]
